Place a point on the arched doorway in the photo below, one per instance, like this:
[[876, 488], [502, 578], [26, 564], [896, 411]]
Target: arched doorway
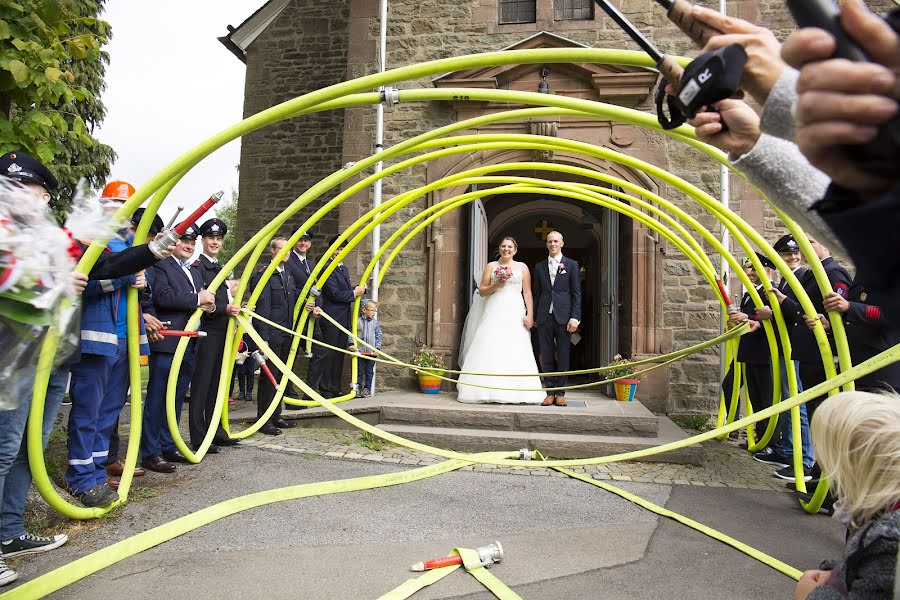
[[529, 218]]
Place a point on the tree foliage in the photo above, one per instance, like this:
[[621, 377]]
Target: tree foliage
[[227, 211], [52, 67]]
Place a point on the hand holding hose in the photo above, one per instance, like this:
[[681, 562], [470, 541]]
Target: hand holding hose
[[734, 127]]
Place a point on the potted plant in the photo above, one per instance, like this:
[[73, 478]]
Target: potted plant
[[624, 376], [432, 367]]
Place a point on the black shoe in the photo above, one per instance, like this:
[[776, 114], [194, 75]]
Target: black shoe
[[284, 424], [175, 457], [770, 457], [827, 504], [269, 429], [225, 441], [99, 495], [213, 449], [788, 474], [31, 544]]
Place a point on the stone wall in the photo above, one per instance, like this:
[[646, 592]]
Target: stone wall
[[303, 50]]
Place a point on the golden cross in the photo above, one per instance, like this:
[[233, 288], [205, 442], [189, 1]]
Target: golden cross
[[544, 227]]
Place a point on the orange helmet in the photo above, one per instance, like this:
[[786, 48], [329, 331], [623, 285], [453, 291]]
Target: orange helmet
[[117, 190]]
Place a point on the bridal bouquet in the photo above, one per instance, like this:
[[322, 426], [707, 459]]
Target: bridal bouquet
[[502, 273]]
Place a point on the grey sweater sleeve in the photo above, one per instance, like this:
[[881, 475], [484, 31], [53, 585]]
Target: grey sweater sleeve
[[777, 119], [782, 173]]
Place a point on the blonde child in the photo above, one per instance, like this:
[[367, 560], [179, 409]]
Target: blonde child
[[368, 331], [856, 436]]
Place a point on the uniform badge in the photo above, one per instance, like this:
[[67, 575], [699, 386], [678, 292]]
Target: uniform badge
[[214, 228], [13, 168], [863, 297], [841, 288]]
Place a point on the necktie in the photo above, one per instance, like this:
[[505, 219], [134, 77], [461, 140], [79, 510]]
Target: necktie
[[186, 267], [554, 267], [305, 265]]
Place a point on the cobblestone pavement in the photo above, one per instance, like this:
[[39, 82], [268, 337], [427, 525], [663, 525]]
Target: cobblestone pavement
[[726, 465]]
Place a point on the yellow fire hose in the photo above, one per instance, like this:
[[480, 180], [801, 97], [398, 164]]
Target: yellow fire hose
[[656, 213]]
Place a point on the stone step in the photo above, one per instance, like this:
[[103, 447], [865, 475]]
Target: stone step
[[552, 445], [612, 418]]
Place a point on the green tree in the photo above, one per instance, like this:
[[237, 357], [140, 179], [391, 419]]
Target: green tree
[[227, 211], [52, 68]]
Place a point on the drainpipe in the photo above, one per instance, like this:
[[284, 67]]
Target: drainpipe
[[724, 194], [379, 146]]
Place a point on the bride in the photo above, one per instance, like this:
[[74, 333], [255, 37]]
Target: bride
[[496, 337]]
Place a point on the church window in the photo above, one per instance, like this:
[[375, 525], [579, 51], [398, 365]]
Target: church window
[[573, 10], [518, 11]]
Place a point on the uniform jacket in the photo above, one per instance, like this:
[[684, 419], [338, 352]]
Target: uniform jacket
[[803, 340], [216, 322], [564, 293], [174, 298], [870, 332], [338, 296], [868, 230], [297, 271], [276, 302], [754, 347], [100, 310]]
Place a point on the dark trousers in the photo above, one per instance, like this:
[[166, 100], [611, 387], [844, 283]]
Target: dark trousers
[[366, 377], [812, 373], [244, 374], [555, 344], [759, 390], [281, 346], [326, 368], [204, 386], [155, 436]]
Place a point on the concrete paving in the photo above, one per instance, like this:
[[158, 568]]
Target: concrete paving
[[564, 538]]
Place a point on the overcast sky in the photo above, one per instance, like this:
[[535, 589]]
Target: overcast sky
[[170, 85]]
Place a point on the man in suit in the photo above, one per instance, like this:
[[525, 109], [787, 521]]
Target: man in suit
[[275, 303], [205, 382], [557, 287], [177, 292], [300, 264], [326, 368]]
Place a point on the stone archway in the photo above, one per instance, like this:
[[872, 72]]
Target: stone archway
[[640, 330]]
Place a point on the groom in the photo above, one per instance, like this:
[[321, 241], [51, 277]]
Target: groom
[[557, 287]]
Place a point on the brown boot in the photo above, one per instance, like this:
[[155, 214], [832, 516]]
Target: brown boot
[[548, 401]]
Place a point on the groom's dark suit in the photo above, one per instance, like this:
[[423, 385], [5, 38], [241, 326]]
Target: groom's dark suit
[[563, 293]]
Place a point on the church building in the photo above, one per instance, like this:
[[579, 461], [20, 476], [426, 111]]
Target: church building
[[642, 298]]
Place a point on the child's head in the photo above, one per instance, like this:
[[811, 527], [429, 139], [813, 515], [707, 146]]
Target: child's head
[[856, 436], [370, 307]]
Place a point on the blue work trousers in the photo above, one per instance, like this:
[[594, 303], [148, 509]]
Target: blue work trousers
[[155, 436]]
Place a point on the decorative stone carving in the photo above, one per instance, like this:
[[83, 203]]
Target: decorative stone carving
[[548, 129]]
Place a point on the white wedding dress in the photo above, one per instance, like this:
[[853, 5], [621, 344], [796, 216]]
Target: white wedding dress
[[495, 341]]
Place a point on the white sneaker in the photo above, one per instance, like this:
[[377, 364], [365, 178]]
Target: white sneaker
[[7, 575]]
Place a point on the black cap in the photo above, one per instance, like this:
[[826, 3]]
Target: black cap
[[21, 167], [786, 243], [213, 227], [765, 260], [192, 233], [155, 227], [333, 239], [304, 236]]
